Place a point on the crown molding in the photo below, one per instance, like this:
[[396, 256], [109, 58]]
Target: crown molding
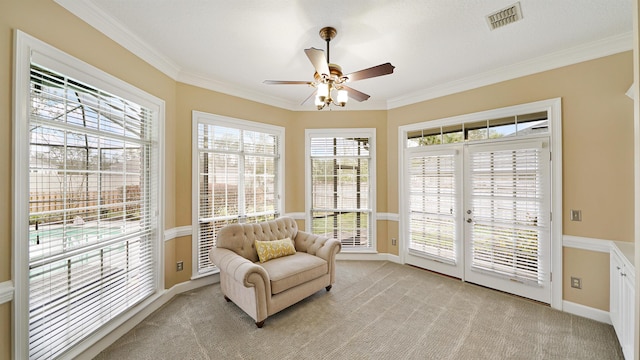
[[597, 49], [205, 82], [113, 29]]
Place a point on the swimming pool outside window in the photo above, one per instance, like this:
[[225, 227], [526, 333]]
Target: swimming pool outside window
[[92, 215]]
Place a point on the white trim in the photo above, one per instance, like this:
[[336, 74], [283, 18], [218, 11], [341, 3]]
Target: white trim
[[597, 49], [206, 82], [387, 217], [554, 112], [177, 232], [586, 312], [112, 28], [372, 256], [6, 291], [20, 190], [584, 243], [295, 215], [116, 31], [103, 339]]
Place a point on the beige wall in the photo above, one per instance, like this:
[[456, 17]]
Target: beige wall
[[588, 266], [597, 137], [597, 150], [48, 22]]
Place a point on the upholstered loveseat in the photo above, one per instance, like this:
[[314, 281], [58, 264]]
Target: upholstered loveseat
[[261, 289]]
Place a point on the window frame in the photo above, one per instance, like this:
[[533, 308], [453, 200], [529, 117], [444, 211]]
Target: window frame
[[347, 132], [27, 48], [199, 117]]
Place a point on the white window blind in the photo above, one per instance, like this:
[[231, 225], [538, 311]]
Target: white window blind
[[432, 205], [510, 213], [91, 210], [237, 181], [341, 175]]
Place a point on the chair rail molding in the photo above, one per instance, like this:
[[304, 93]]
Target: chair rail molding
[[177, 232], [585, 243], [6, 291]]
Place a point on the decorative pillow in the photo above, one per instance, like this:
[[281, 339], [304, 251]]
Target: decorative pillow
[[268, 250]]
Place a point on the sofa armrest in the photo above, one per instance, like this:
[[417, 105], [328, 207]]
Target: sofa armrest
[[240, 269], [329, 250]]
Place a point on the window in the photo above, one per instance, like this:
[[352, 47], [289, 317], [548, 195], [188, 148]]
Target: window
[[518, 125], [340, 186], [92, 219], [237, 166]]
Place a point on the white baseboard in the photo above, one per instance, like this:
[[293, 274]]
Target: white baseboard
[[6, 291], [368, 256], [104, 338], [586, 311]]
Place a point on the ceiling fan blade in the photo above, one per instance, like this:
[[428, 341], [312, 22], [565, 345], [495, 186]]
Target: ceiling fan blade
[[316, 56], [311, 96], [355, 94], [285, 82], [383, 69]]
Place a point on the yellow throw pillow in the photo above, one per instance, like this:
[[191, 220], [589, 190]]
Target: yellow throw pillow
[[268, 250]]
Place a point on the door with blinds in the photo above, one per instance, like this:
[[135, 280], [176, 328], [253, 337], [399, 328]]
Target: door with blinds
[[507, 217], [435, 194], [481, 212]]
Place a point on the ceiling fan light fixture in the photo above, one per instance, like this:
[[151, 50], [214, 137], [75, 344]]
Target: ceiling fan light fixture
[[323, 91], [343, 97], [329, 80]]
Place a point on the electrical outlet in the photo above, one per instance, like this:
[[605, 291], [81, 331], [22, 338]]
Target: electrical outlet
[[394, 241], [576, 215], [180, 266], [576, 282]]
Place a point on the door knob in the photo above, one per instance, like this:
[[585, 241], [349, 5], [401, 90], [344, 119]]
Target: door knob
[[469, 220], [468, 211]]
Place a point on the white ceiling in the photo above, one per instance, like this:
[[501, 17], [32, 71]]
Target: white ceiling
[[437, 46]]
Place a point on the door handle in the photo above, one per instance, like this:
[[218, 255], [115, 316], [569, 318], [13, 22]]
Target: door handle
[[469, 220]]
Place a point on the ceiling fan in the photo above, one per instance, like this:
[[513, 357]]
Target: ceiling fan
[[328, 78]]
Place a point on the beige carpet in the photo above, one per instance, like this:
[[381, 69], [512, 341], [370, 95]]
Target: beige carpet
[[376, 310]]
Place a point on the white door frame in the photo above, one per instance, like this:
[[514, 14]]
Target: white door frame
[[553, 108]]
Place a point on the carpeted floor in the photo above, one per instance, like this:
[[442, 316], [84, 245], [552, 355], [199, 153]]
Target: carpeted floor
[[376, 310]]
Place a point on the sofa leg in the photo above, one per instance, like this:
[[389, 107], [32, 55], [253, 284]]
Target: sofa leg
[[328, 288], [259, 324], [226, 298]]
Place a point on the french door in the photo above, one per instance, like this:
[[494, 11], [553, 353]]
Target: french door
[[481, 212]]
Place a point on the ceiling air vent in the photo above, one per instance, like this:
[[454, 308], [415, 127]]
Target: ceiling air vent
[[505, 16]]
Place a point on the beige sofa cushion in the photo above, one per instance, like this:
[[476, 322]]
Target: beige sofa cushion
[[293, 270]]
